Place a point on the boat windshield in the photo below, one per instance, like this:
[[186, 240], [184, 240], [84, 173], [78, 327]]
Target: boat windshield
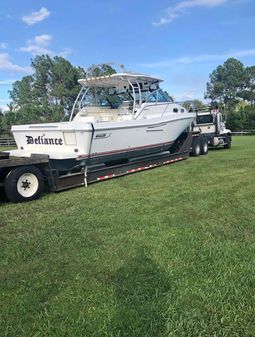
[[158, 96], [154, 96], [104, 97]]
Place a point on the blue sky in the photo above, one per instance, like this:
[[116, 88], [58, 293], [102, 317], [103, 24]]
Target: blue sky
[[182, 41]]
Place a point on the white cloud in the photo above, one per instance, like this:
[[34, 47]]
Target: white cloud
[[43, 40], [35, 17], [40, 45], [3, 45], [6, 64], [174, 12], [185, 96], [201, 58]]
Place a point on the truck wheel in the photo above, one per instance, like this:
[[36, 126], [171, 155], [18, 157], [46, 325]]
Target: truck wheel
[[204, 147], [24, 183], [196, 147], [228, 143]]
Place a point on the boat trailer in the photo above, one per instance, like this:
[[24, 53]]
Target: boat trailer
[[23, 179]]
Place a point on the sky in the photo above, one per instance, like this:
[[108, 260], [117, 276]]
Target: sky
[[181, 41]]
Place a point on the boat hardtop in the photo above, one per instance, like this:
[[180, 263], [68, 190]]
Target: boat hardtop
[[117, 79]]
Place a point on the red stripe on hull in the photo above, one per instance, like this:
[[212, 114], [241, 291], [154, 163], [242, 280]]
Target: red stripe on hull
[[124, 150]]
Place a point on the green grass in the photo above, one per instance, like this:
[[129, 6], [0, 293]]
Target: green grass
[[6, 148], [166, 252]]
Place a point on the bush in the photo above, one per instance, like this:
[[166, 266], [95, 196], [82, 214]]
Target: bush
[[242, 119]]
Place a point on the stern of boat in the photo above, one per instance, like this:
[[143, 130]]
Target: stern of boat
[[58, 140]]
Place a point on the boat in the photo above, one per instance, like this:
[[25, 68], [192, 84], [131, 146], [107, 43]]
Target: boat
[[115, 117]]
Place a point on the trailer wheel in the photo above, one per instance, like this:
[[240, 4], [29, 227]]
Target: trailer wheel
[[196, 147], [204, 147], [24, 183], [228, 143]]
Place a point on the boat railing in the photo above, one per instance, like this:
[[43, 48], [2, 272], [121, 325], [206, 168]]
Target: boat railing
[[146, 106], [77, 106]]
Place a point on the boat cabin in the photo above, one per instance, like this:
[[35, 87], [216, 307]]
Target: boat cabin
[[121, 96]]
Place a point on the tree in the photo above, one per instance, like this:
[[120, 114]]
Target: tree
[[248, 93], [99, 70], [8, 118], [64, 82], [242, 118], [227, 83], [49, 93], [233, 86], [42, 66]]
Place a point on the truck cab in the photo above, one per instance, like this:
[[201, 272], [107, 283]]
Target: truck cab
[[212, 126]]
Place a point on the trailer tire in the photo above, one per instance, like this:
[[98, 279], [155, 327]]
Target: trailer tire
[[24, 183], [196, 147], [204, 147], [228, 143]]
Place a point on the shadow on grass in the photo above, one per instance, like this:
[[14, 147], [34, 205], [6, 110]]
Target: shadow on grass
[[3, 198], [219, 148], [141, 288]]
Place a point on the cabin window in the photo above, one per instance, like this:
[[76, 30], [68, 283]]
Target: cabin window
[[182, 110], [175, 110], [205, 119]]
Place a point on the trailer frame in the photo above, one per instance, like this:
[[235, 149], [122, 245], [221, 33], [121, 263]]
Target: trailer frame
[[81, 174]]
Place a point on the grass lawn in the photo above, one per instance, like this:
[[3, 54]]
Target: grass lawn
[[166, 252], [6, 148]]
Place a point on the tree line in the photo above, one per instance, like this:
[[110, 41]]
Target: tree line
[[44, 96], [232, 87], [50, 92], [47, 95]]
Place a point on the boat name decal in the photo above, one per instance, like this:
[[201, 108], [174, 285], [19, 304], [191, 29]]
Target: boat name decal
[[44, 141]]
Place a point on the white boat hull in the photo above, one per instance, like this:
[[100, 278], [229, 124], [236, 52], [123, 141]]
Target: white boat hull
[[136, 139], [99, 141]]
